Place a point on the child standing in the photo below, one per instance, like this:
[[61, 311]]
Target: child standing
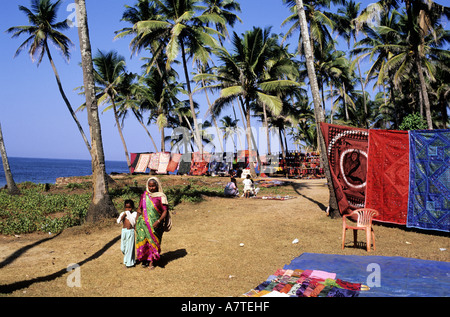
[[128, 217]]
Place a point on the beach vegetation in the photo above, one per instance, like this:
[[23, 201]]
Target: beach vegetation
[[37, 210], [51, 210]]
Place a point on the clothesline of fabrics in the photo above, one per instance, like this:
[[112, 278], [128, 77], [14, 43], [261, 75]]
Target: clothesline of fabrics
[[293, 164], [305, 283], [405, 175]]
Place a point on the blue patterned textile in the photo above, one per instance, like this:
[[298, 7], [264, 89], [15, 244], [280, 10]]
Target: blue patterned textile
[[429, 180]]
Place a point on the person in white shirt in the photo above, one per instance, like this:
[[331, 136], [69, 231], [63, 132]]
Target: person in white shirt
[[248, 187], [127, 245]]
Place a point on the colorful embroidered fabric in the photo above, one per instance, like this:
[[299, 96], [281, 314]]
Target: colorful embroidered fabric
[[173, 163], [154, 161], [429, 180], [347, 156], [164, 159], [305, 283], [142, 163], [387, 175], [200, 163]]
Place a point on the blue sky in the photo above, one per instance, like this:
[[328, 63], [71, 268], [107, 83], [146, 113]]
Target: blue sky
[[34, 118]]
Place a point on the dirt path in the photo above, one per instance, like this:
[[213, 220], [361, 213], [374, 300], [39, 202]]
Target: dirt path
[[219, 247]]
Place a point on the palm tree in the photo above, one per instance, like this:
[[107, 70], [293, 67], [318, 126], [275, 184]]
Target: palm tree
[[158, 93], [316, 101], [230, 129], [109, 72], [223, 9], [346, 26], [129, 99], [12, 187], [422, 18], [178, 29], [101, 205], [377, 45], [242, 76], [319, 20], [44, 28]]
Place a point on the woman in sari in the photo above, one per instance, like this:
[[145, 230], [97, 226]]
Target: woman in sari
[[153, 208]]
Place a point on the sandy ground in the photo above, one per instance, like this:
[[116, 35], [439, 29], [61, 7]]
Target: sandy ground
[[217, 248]]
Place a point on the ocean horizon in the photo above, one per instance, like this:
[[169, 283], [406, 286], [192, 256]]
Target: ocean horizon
[[47, 170]]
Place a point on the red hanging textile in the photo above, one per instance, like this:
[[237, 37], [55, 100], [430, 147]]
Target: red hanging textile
[[388, 175], [347, 156]]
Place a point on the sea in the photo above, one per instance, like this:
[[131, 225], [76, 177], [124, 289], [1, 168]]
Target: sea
[[46, 171]]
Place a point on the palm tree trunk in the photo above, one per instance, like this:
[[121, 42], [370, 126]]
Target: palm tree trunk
[[163, 141], [198, 139], [101, 205], [116, 118], [146, 130], [334, 211], [249, 139], [213, 117], [12, 187], [345, 103], [63, 94], [266, 126], [424, 93]]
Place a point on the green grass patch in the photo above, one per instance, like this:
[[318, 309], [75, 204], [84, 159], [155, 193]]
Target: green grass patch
[[36, 210]]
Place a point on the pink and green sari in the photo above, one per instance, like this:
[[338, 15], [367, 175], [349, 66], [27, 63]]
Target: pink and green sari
[[148, 239]]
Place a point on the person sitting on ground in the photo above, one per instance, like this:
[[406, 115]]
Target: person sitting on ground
[[231, 189], [249, 188]]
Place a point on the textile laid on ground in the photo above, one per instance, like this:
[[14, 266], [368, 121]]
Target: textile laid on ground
[[305, 283], [386, 276], [173, 163], [271, 183], [142, 163], [429, 180], [164, 159], [278, 197], [387, 175], [347, 156]]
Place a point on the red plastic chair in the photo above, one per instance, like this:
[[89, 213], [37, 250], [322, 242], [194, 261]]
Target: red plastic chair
[[363, 222]]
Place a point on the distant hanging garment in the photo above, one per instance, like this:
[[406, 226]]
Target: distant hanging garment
[[142, 163], [154, 161], [185, 164], [173, 163], [164, 159]]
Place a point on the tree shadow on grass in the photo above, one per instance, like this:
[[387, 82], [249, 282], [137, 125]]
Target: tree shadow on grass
[[10, 259], [298, 186], [195, 193], [5, 289]]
